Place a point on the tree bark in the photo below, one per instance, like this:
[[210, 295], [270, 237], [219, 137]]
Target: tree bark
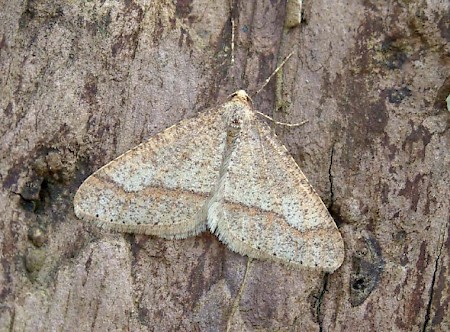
[[84, 81]]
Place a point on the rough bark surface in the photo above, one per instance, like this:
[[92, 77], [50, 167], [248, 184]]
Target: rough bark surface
[[84, 81]]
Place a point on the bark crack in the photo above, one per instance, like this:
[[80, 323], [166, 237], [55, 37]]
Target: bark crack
[[319, 302], [237, 300], [433, 281], [330, 177]]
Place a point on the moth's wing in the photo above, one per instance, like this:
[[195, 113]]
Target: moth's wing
[[268, 210], [161, 186]]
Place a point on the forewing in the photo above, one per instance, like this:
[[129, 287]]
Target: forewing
[[268, 209], [160, 187]]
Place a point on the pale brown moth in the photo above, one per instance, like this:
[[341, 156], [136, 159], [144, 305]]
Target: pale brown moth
[[225, 171]]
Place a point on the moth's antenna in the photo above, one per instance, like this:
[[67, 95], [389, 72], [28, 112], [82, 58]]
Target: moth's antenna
[[274, 73], [282, 123], [264, 85]]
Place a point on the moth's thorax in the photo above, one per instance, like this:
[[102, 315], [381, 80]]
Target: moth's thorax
[[239, 110]]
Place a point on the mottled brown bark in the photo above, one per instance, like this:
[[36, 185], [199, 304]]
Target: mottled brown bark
[[82, 82]]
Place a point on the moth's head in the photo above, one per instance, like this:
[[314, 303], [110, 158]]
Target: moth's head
[[242, 96]]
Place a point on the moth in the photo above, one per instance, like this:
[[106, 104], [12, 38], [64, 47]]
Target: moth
[[223, 170]]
